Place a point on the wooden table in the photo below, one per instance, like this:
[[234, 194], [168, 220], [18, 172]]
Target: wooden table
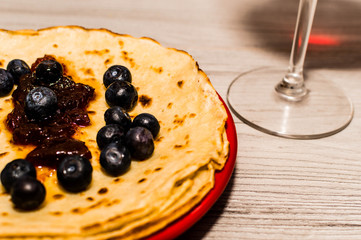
[[281, 188]]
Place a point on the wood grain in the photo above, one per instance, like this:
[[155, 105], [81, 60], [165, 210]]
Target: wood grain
[[280, 189]]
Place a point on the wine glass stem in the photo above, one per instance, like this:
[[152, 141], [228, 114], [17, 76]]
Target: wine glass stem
[[292, 86]]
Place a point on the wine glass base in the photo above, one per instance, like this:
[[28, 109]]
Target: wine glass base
[[325, 110]]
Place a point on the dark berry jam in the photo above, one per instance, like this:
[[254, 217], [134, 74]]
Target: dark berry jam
[[53, 137], [51, 152]]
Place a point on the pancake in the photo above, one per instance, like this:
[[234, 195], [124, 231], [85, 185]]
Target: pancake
[[191, 145]]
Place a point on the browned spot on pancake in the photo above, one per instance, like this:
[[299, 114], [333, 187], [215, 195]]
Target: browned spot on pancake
[[142, 180], [75, 210], [158, 169], [55, 45], [56, 213], [126, 57], [4, 214], [107, 61], [90, 227], [192, 115], [95, 205], [97, 52], [145, 101], [2, 63], [169, 105], [115, 201], [186, 137], [92, 112], [79, 210], [20, 149], [7, 100], [131, 61], [4, 154], [163, 157], [58, 196], [177, 146], [179, 120], [159, 139], [148, 171], [180, 83], [90, 199], [190, 151], [178, 183], [117, 180], [1, 109], [157, 69], [103, 190], [88, 71], [121, 43]]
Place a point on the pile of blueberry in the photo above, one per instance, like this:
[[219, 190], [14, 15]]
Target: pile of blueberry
[[19, 179], [122, 139], [74, 172], [19, 176]]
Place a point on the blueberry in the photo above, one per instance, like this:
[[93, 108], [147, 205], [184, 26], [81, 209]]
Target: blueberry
[[108, 134], [6, 82], [74, 173], [48, 71], [116, 73], [117, 115], [122, 94], [40, 103], [115, 159], [148, 121], [18, 68], [27, 193], [139, 141], [14, 170]]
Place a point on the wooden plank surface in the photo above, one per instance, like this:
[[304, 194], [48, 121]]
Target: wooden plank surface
[[281, 188]]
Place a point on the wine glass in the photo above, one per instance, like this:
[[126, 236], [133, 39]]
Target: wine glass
[[289, 109]]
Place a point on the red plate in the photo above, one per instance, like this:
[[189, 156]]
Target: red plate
[[222, 177]]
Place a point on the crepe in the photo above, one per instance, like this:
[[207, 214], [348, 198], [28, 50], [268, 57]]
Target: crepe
[[191, 146]]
